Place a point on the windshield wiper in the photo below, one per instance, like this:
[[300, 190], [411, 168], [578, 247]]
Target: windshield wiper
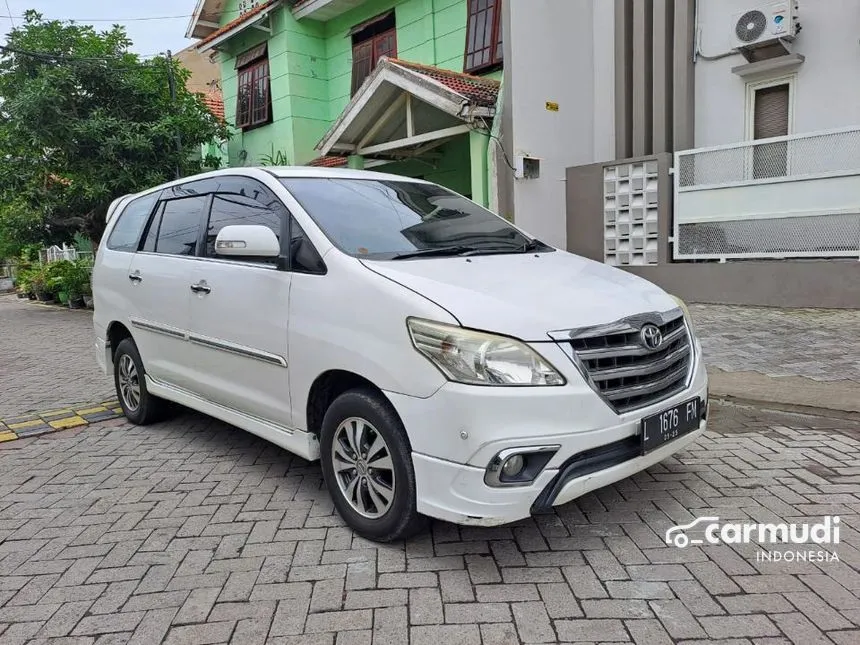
[[442, 251]]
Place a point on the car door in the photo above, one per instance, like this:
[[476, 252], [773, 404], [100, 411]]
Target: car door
[[240, 309], [159, 277]]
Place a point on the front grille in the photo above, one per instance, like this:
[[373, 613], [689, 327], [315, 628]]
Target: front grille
[[625, 372]]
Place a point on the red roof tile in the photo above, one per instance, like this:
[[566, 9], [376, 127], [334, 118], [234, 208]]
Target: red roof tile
[[235, 23], [331, 161], [215, 102], [481, 91]]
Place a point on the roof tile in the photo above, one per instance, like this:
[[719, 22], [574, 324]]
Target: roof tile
[[215, 102], [235, 23], [481, 91], [330, 161]]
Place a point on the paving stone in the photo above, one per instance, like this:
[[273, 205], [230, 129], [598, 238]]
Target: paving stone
[[729, 626], [447, 634], [591, 630], [533, 623]]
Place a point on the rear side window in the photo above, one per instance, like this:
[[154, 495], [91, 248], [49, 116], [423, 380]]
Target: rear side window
[[126, 233], [230, 209], [175, 227]]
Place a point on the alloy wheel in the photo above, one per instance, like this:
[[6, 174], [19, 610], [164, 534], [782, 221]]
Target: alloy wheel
[[129, 382], [363, 467]]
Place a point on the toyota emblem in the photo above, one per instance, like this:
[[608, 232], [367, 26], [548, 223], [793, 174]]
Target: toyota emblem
[[651, 336]]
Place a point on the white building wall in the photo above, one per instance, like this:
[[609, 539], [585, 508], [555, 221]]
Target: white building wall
[[552, 54], [826, 90]]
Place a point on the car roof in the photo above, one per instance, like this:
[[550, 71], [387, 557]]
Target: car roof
[[335, 173], [281, 172]]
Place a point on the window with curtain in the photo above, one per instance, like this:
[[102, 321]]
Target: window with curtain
[[254, 101], [484, 36], [371, 40]]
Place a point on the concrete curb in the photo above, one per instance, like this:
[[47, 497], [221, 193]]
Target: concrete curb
[[787, 392], [39, 423]]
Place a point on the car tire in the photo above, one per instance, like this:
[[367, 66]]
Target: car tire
[[139, 406], [367, 465]]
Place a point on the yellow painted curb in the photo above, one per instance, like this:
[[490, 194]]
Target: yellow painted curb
[[71, 422], [92, 410], [39, 423]]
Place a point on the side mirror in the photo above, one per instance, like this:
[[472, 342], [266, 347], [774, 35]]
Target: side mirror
[[247, 240]]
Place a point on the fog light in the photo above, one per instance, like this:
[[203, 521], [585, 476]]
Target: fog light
[[513, 466], [518, 466]]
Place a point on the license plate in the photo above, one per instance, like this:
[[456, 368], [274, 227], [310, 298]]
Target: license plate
[[670, 424]]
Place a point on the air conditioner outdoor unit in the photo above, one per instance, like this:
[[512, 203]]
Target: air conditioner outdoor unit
[[766, 23]]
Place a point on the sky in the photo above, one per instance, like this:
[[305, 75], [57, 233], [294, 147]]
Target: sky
[[149, 36]]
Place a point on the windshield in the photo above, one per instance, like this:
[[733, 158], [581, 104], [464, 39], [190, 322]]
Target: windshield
[[384, 220]]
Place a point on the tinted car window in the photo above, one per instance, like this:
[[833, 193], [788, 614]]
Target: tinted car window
[[228, 209], [382, 219], [303, 256], [126, 234], [179, 226]]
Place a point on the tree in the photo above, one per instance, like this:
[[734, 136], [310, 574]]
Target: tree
[[84, 121]]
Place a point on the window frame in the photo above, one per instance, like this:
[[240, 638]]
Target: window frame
[[164, 198], [372, 41], [497, 32], [752, 89], [247, 71], [121, 211]]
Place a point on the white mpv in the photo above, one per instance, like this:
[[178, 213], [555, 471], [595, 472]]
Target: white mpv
[[437, 360]]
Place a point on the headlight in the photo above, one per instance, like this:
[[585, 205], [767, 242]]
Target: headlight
[[476, 358]]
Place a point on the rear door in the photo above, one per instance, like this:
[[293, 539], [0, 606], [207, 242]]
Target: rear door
[[159, 281], [240, 311]]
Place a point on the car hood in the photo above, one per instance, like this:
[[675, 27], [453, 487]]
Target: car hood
[[527, 295]]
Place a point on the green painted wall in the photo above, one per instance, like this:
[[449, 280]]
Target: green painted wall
[[451, 170], [311, 69]]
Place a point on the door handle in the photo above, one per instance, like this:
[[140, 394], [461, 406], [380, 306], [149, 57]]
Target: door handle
[[201, 287], [135, 277]]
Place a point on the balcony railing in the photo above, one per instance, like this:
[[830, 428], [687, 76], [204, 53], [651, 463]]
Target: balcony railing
[[795, 196]]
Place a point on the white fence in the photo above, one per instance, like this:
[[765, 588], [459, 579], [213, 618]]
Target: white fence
[[795, 196]]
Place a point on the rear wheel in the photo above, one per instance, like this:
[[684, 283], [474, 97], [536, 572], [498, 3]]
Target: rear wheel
[[367, 464], [139, 406]]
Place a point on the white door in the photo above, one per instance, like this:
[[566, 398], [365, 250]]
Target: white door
[[240, 310], [159, 281]]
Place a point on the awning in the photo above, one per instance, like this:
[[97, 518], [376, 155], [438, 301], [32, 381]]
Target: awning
[[237, 26], [404, 109]]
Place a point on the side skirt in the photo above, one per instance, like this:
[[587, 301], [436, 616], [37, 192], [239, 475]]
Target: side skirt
[[301, 443]]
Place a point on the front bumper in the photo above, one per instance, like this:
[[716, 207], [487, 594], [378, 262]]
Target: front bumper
[[457, 431]]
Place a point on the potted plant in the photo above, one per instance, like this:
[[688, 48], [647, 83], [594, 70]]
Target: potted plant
[[57, 274], [39, 285], [76, 281]]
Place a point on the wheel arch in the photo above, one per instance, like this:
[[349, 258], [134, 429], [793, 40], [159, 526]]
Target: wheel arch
[[115, 334], [327, 387]]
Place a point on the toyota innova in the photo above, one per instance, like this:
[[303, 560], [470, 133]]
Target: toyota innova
[[437, 360]]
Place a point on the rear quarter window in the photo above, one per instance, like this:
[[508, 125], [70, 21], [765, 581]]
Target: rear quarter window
[[126, 233]]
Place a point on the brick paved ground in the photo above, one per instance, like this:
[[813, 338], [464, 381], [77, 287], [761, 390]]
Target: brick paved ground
[[46, 358], [195, 532], [823, 345]]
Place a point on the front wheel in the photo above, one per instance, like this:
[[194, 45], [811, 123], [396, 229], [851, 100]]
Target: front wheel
[[139, 406], [367, 464]]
